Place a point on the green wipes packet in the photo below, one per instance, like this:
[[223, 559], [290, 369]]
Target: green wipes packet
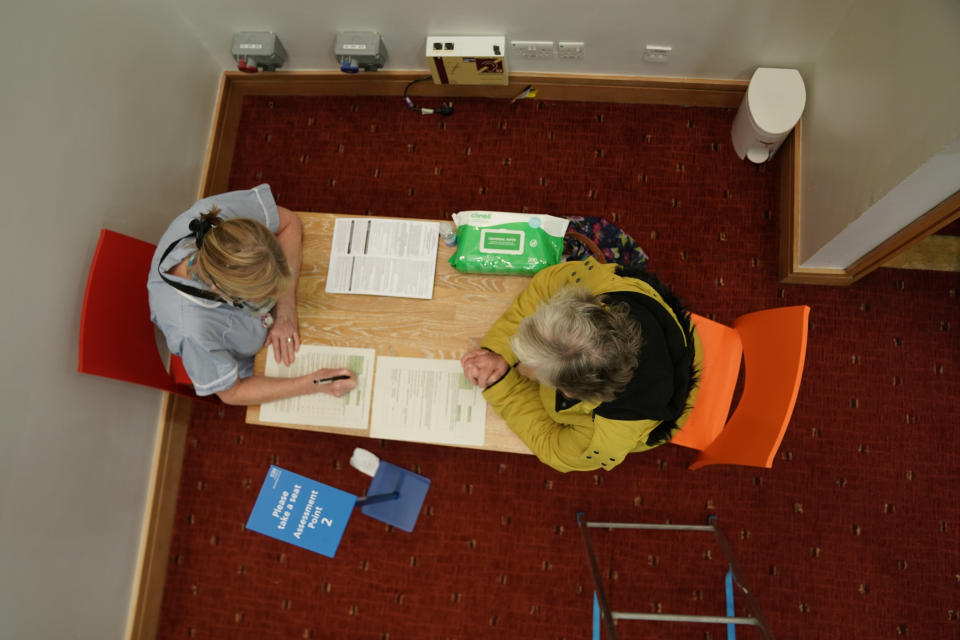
[[507, 243]]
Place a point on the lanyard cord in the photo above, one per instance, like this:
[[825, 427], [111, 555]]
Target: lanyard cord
[[193, 291]]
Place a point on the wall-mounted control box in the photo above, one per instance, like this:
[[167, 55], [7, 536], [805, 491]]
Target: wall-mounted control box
[[467, 59], [258, 50], [359, 50]]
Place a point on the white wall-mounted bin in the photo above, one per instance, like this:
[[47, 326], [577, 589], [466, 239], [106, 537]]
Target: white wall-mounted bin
[[769, 111]]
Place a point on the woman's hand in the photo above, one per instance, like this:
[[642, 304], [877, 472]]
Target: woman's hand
[[483, 367], [284, 336], [336, 388]]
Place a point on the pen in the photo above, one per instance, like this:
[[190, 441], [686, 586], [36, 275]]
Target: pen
[[330, 379]]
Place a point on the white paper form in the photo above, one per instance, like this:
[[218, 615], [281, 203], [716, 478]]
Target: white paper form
[[427, 400], [383, 257], [351, 411]]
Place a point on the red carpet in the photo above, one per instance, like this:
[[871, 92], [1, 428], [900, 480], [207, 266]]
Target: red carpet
[[854, 533]]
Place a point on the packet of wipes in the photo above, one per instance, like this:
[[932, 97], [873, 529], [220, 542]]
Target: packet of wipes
[[507, 243]]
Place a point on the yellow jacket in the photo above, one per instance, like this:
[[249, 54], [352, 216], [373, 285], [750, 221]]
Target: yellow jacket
[[573, 439]]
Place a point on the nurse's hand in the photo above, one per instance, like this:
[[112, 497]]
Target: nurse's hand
[[344, 383], [483, 367], [284, 336]]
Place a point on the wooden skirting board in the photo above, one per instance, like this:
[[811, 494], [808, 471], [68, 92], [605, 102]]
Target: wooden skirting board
[[157, 530], [161, 509], [790, 270], [236, 85], [897, 251], [923, 227], [646, 90]]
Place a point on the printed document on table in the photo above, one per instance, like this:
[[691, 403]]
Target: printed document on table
[[427, 400], [383, 257], [351, 411]]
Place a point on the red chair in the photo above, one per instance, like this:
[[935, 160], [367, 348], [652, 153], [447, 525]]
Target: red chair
[[117, 338], [773, 344]]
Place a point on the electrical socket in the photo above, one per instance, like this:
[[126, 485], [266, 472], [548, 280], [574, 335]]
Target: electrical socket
[[657, 54], [532, 48], [570, 50], [258, 50]]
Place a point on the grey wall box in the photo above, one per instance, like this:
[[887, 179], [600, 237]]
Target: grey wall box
[[359, 51], [769, 111], [258, 50]]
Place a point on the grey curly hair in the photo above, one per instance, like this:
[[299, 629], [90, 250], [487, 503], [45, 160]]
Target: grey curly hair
[[580, 345]]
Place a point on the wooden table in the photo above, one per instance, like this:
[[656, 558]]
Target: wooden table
[[463, 307]]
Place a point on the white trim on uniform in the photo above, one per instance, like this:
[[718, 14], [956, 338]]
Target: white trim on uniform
[[231, 373], [266, 213]]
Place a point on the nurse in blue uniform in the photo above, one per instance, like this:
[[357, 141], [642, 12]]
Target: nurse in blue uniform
[[222, 283]]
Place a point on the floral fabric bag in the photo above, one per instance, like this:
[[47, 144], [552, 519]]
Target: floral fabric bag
[[605, 241]]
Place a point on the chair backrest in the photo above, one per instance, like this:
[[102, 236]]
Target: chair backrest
[[116, 335], [718, 379], [774, 349]]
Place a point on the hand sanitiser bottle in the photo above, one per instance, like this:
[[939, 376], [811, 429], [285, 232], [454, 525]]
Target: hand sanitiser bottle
[[448, 233]]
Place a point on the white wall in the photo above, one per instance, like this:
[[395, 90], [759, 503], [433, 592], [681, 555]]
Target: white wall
[[710, 38], [882, 95], [935, 181], [104, 119], [882, 100]]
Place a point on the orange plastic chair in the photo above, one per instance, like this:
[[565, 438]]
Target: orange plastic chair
[[117, 339], [773, 344]]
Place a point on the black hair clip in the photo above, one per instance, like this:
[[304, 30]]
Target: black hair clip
[[200, 227]]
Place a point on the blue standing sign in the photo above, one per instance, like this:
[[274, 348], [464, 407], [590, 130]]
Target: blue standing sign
[[301, 511]]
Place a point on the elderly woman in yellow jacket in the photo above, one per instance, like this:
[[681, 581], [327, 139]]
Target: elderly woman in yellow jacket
[[591, 362]]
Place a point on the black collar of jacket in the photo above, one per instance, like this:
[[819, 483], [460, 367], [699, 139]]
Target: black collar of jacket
[[662, 379]]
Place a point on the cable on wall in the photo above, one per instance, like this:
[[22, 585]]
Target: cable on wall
[[443, 109]]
